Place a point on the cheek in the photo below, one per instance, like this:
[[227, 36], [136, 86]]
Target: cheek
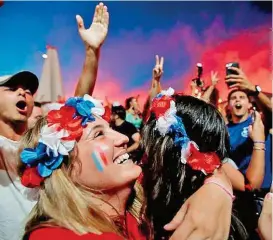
[[99, 158]]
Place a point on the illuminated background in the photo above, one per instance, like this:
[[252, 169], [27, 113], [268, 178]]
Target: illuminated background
[[185, 33]]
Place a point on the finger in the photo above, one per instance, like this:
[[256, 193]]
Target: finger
[[183, 231], [156, 60], [178, 218], [96, 14], [80, 22], [258, 116], [267, 205], [105, 20], [161, 62], [100, 12], [233, 76], [235, 86], [250, 129]]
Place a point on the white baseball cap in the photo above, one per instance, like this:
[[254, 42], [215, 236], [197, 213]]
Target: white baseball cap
[[25, 78]]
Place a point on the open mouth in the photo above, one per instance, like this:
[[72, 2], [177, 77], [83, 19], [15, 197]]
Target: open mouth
[[122, 159], [238, 106], [21, 105]]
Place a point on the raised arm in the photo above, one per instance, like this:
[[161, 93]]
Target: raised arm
[[214, 80], [93, 38], [155, 86], [256, 168]]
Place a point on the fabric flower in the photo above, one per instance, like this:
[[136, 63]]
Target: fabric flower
[[98, 108], [66, 119], [205, 162], [169, 92], [160, 106], [31, 178], [82, 108], [52, 138], [164, 122]]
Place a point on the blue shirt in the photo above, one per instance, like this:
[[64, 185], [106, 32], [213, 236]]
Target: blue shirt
[[242, 146]]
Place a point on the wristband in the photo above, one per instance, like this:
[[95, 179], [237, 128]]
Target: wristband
[[263, 142], [257, 148], [219, 184]]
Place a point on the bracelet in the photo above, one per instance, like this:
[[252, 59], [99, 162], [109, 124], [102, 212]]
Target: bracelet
[[257, 148], [259, 142], [217, 182]]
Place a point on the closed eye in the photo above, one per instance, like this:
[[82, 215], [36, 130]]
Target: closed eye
[[98, 134]]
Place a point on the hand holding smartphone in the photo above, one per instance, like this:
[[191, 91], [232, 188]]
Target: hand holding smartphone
[[230, 71]]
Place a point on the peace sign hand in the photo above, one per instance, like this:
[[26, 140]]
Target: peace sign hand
[[158, 69]]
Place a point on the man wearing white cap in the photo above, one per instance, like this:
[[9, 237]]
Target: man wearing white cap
[[16, 104]]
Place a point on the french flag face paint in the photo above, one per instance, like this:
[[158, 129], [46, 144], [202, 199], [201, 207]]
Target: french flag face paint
[[99, 159]]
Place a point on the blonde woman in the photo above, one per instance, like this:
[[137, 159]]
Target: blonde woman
[[82, 172]]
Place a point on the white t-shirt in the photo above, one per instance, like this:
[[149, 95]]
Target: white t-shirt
[[16, 201]]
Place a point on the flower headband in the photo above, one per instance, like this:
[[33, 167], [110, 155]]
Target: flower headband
[[163, 105], [57, 138]]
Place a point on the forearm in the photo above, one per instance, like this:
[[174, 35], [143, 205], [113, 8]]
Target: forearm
[[194, 91], [207, 93], [264, 102], [133, 147], [236, 177], [146, 109], [222, 176], [255, 170], [154, 90], [87, 80]]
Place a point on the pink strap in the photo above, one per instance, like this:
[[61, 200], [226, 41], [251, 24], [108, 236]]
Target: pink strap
[[218, 183]]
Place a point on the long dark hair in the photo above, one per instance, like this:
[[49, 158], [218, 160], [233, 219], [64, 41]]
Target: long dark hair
[[167, 182]]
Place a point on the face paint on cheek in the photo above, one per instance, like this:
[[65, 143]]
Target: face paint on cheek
[[99, 159]]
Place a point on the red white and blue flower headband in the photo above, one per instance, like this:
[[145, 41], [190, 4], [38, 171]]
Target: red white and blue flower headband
[[57, 138], [164, 108]]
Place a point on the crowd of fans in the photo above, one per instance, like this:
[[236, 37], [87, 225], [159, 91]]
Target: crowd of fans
[[178, 169]]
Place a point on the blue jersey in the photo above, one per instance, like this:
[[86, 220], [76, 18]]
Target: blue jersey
[[242, 146]]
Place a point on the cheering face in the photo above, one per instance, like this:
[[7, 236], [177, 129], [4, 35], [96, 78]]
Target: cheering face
[[16, 103], [239, 104], [134, 104], [102, 162]]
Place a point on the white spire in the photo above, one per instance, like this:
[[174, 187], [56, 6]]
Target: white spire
[[50, 86]]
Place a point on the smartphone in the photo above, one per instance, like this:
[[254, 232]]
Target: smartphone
[[230, 71]]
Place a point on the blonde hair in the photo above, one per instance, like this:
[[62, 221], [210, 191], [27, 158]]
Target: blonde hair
[[64, 203]]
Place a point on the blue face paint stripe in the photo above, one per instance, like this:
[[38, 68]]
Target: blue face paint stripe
[[97, 161]]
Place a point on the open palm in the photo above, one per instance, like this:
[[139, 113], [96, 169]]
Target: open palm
[[95, 35]]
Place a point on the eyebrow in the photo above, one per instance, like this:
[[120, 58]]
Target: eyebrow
[[93, 129]]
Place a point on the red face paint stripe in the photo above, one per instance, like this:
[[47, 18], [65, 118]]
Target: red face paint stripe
[[102, 155]]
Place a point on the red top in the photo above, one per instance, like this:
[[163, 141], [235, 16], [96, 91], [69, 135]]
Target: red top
[[55, 233]]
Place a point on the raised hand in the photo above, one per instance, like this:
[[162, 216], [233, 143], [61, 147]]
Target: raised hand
[[240, 81], [158, 69], [214, 78], [256, 130], [95, 35]]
